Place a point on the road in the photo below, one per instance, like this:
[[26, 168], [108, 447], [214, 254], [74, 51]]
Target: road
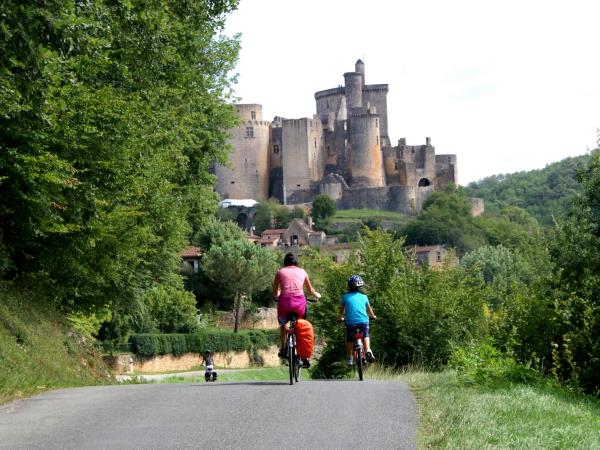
[[249, 415]]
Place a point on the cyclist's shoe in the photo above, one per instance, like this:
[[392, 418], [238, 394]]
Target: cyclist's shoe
[[305, 363], [370, 356], [349, 361], [282, 352]]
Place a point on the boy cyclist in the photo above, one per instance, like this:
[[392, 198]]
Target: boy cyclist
[[356, 311]]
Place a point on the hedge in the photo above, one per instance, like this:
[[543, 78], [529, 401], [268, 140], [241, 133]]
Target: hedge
[[215, 340]]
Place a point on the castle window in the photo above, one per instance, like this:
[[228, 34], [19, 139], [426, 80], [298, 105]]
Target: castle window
[[376, 122], [275, 148], [377, 139], [249, 132], [232, 182], [449, 159], [327, 103], [253, 115], [315, 142]]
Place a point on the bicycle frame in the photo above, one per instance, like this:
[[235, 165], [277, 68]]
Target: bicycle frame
[[294, 363], [358, 352]]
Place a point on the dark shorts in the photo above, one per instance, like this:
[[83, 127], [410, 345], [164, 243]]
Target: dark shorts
[[351, 330]]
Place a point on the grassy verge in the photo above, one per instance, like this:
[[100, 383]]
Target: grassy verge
[[262, 374], [356, 215], [502, 416], [37, 350]]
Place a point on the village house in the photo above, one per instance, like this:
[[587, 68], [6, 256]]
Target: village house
[[434, 256], [190, 257], [298, 233]]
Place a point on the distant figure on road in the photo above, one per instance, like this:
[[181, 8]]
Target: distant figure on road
[[288, 291]]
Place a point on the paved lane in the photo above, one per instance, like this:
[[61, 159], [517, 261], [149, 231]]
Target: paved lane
[[252, 415]]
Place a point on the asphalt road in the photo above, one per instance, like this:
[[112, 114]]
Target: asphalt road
[[248, 415]]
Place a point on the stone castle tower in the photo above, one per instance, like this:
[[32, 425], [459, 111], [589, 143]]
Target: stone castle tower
[[344, 151]]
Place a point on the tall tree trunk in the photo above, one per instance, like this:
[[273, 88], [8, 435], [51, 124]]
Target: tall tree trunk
[[236, 314]]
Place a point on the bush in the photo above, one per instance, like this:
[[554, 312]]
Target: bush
[[215, 340], [482, 363]]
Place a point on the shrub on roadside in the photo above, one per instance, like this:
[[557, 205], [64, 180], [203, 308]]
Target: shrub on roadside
[[481, 363], [214, 340]]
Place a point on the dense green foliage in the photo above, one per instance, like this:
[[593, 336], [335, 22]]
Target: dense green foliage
[[420, 312], [271, 214], [523, 305], [214, 340], [575, 249], [110, 115], [323, 208], [446, 219], [545, 194]]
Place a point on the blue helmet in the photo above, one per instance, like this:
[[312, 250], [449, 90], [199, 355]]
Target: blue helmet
[[355, 281]]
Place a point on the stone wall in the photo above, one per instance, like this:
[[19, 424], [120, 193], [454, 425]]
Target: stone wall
[[228, 360]]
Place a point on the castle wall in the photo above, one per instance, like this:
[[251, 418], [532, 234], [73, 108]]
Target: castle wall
[[328, 101], [250, 111], [302, 158], [366, 159], [248, 173], [446, 170], [405, 199]]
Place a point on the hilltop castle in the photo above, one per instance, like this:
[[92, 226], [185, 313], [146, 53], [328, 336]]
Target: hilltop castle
[[344, 151]]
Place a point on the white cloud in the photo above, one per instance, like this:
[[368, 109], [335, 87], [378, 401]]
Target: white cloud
[[506, 85]]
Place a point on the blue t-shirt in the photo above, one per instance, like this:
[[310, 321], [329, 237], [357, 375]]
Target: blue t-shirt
[[355, 307]]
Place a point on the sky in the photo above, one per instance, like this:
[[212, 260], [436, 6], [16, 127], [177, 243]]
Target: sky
[[505, 85]]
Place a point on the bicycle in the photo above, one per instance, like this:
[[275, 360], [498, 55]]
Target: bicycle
[[293, 360], [359, 354]]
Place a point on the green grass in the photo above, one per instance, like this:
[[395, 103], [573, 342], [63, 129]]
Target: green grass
[[504, 416], [37, 352], [355, 215]]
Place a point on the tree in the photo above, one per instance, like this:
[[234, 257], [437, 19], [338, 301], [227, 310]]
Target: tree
[[574, 330], [240, 269], [445, 219], [111, 114], [323, 208]]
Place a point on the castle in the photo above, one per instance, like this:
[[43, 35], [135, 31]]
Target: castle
[[344, 151]]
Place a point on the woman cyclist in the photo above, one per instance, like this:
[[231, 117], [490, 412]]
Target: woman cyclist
[[356, 311], [288, 291]]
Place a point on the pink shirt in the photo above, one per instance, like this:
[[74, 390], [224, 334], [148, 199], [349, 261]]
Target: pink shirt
[[291, 280]]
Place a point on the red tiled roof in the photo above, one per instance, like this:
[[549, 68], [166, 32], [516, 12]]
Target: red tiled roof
[[428, 248], [190, 252], [274, 231]]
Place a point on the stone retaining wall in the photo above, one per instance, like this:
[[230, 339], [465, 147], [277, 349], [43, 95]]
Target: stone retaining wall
[[169, 363]]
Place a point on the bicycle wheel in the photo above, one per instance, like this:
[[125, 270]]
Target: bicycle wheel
[[359, 362], [291, 357]]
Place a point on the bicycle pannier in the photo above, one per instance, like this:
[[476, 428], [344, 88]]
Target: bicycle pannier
[[305, 338]]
